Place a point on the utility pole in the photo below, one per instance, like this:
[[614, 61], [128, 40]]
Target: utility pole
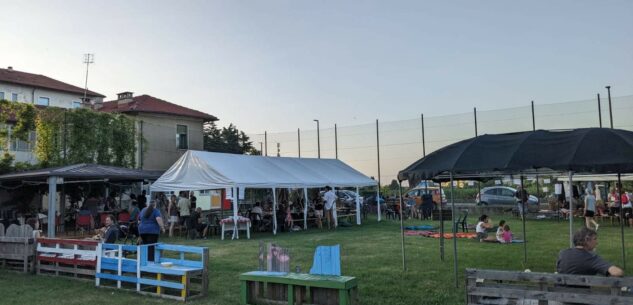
[[88, 59]]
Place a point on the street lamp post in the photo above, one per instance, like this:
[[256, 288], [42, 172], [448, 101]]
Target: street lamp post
[[318, 139]]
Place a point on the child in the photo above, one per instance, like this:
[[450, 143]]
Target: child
[[499, 234], [507, 235]]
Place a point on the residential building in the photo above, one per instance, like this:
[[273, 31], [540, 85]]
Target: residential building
[[169, 130], [43, 91]]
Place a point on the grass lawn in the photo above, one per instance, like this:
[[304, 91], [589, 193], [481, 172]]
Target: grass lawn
[[370, 252]]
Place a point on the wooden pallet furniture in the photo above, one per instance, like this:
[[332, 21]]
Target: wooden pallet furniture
[[262, 287], [173, 273], [66, 257], [17, 248], [510, 287]]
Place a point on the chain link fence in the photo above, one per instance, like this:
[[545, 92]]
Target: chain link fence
[[381, 149]]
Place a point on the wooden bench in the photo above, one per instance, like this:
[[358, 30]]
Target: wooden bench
[[71, 257], [508, 287], [173, 273], [17, 247], [262, 287]]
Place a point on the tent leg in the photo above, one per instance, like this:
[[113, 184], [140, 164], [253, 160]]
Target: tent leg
[[305, 208], [358, 209], [622, 220], [454, 232], [404, 264], [571, 211], [441, 210], [378, 200], [523, 216], [235, 208], [274, 212]]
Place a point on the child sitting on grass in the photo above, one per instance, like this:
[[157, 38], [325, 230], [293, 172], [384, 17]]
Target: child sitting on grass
[[499, 234], [507, 235]]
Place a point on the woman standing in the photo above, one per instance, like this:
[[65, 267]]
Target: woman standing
[[172, 211], [590, 210], [149, 228]]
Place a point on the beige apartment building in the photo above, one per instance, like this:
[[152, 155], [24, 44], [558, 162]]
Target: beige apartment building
[[169, 130]]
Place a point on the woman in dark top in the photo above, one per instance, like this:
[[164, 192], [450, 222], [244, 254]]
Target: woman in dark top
[[151, 224]]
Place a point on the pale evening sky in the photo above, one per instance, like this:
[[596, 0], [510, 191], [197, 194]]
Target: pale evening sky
[[277, 65]]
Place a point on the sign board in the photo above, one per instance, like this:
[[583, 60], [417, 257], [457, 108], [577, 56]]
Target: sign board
[[558, 188], [546, 181]]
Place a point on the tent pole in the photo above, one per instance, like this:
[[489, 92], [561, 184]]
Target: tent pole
[[305, 208], [622, 220], [454, 232], [441, 224], [357, 206], [523, 216], [52, 202], [378, 201], [235, 196], [571, 211], [404, 264], [274, 212]]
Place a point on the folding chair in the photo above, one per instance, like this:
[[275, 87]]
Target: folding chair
[[83, 222]]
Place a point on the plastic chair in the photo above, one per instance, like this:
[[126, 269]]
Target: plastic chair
[[327, 260], [461, 221], [83, 222]]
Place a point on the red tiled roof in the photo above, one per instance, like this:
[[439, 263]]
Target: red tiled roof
[[150, 104], [41, 81]]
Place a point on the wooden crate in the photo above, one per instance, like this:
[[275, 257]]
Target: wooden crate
[[67, 257], [260, 287]]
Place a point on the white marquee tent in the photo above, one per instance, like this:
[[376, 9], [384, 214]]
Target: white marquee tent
[[202, 170]]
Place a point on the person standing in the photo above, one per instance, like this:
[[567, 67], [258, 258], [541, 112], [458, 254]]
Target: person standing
[[329, 197], [522, 199], [151, 225], [184, 206], [172, 211], [142, 200], [590, 210], [581, 259]]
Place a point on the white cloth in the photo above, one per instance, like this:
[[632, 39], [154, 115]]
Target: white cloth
[[329, 197]]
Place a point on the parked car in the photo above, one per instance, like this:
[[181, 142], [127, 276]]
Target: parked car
[[501, 195], [417, 192], [371, 200], [345, 198]]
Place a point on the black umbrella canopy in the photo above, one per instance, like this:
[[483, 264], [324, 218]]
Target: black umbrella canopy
[[586, 150]]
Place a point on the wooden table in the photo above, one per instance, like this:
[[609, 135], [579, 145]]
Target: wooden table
[[261, 287]]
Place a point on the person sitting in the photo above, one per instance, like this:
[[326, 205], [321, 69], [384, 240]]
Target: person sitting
[[109, 233], [581, 259], [507, 235], [499, 234], [482, 226], [35, 224], [256, 215]]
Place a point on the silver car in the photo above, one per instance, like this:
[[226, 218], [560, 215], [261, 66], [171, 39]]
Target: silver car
[[501, 195]]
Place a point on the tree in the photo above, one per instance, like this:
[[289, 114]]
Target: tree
[[227, 140]]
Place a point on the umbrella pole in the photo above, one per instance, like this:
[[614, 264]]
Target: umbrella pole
[[404, 264], [622, 220], [523, 216], [571, 211], [441, 225], [454, 233]]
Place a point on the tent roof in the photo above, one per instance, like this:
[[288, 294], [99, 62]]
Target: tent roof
[[585, 150], [201, 170], [83, 171]]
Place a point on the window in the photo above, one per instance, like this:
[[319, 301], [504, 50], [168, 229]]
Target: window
[[1, 95], [14, 97], [76, 105], [20, 145], [182, 142], [43, 101], [507, 193]]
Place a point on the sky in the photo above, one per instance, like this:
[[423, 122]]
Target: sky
[[278, 65]]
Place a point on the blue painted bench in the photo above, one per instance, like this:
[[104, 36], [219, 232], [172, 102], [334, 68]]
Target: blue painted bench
[[173, 273]]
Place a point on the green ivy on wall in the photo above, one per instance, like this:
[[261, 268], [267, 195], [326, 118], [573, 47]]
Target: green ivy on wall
[[65, 136]]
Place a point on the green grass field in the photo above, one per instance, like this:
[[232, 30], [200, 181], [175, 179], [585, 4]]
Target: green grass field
[[370, 252]]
